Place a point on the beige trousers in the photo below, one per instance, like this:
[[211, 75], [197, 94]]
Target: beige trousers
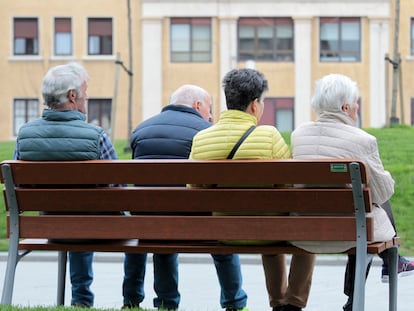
[[294, 289]]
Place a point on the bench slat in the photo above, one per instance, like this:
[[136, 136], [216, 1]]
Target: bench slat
[[183, 228], [197, 200], [183, 172]]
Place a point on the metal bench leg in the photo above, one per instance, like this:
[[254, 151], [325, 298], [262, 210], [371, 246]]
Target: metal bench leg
[[393, 275], [12, 260], [62, 259], [362, 263]]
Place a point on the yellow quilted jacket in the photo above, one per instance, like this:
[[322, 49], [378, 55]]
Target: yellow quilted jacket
[[216, 142]]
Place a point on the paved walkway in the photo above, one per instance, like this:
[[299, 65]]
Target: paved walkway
[[36, 284]]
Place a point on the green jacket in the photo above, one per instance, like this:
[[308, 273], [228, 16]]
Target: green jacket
[[59, 135]]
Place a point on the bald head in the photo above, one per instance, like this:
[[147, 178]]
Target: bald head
[[195, 97]]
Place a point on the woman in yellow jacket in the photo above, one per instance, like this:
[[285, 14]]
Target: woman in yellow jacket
[[245, 91]]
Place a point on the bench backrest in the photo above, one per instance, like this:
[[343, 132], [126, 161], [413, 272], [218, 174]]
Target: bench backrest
[[78, 186]]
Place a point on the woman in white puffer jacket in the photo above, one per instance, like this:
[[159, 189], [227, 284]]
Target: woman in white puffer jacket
[[334, 135]]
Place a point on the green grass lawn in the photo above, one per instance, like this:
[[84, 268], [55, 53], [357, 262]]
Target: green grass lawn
[[397, 151]]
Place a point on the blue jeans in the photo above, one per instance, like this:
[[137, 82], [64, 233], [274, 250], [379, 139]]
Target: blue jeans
[[165, 280], [81, 277], [230, 279]]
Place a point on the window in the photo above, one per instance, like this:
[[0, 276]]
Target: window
[[24, 110], [265, 39], [99, 113], [100, 36], [279, 112], [190, 39], [340, 40], [63, 36], [26, 41]]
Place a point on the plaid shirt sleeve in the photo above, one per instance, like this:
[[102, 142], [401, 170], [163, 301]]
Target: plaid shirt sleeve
[[107, 150]]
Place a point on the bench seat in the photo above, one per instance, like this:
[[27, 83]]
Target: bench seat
[[258, 200]]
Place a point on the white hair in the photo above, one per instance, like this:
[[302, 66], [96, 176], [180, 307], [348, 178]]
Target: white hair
[[332, 92], [187, 94], [59, 80]]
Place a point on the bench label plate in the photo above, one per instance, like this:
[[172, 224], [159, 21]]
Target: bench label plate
[[339, 168]]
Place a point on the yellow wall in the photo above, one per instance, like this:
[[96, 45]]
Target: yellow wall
[[23, 75]]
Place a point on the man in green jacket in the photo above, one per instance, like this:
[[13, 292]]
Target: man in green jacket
[[63, 135]]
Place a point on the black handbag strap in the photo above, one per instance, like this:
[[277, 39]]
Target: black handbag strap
[[241, 140]]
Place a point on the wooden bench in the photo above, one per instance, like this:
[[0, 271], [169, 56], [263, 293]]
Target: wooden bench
[[68, 187]]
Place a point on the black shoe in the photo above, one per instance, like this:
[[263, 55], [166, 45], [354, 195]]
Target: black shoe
[[348, 305], [291, 308], [130, 306]]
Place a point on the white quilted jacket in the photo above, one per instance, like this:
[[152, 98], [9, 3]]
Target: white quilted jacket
[[334, 136]]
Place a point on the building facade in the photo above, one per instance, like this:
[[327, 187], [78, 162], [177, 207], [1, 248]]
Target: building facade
[[139, 51]]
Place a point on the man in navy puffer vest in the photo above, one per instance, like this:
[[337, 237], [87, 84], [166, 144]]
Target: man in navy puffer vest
[[169, 135]]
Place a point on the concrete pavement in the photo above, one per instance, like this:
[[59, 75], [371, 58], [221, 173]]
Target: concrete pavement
[[36, 283]]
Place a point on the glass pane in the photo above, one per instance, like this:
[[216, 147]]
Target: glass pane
[[350, 31], [180, 38], [93, 47], [19, 46], [329, 31], [285, 44], [35, 46], [246, 32], [180, 57], [24, 111], [265, 32], [32, 109], [284, 120], [284, 31], [63, 43], [265, 44], [99, 113], [201, 38], [19, 107], [265, 38], [106, 45], [201, 57], [350, 45], [246, 44]]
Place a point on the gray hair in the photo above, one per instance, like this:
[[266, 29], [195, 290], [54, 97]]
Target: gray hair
[[187, 94], [59, 80], [332, 92]]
